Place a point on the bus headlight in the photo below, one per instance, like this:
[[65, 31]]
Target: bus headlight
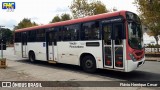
[[132, 57]]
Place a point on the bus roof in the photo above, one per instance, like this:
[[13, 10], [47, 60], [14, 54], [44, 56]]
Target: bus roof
[[68, 22]]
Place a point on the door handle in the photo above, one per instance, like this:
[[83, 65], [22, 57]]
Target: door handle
[[71, 54]]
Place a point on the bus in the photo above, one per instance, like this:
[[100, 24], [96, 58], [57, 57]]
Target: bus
[[111, 41]]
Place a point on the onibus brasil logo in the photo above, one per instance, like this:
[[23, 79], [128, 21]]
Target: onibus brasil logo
[[9, 6]]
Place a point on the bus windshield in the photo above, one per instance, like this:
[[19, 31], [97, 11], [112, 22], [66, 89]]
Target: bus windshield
[[135, 36]]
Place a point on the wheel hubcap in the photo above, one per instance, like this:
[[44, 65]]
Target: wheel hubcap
[[89, 64]]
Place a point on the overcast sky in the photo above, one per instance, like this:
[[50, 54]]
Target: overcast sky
[[43, 11]]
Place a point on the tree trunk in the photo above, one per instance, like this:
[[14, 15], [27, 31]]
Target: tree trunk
[[156, 38]]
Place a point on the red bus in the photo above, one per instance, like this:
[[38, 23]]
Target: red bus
[[107, 41]]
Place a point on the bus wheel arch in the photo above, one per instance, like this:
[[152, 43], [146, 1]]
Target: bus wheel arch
[[32, 56], [88, 62]]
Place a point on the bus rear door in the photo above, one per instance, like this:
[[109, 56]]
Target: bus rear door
[[24, 45], [51, 45]]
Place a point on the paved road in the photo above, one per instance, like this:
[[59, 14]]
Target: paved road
[[42, 71], [150, 71]]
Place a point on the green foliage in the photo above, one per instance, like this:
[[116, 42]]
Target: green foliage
[[7, 34], [63, 17], [150, 15], [56, 19], [153, 46], [25, 23], [97, 7], [82, 8]]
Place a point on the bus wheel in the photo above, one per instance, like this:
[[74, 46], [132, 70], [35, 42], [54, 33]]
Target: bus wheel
[[89, 64], [32, 57]]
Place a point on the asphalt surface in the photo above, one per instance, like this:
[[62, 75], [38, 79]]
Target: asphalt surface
[[43, 71], [150, 71]]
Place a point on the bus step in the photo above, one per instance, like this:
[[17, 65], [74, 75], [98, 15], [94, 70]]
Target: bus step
[[51, 61]]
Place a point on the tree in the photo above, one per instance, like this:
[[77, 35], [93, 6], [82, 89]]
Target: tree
[[97, 7], [7, 34], [25, 23], [150, 15], [56, 19], [63, 17], [82, 8]]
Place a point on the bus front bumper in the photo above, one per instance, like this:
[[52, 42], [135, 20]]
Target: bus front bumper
[[131, 65]]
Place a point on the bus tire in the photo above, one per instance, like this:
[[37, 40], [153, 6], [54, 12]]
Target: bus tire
[[89, 64], [32, 57]]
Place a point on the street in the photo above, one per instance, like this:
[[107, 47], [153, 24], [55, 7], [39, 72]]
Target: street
[[22, 70]]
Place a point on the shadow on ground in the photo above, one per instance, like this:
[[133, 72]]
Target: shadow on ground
[[136, 75]]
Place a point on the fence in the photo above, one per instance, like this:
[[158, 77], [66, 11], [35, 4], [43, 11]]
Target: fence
[[152, 50]]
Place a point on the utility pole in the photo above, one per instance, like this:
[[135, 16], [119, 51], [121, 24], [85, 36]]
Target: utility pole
[[2, 60], [1, 42]]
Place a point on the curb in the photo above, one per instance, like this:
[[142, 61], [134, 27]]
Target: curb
[[152, 60]]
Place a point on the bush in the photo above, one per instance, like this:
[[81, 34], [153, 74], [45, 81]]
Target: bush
[[152, 55], [153, 46]]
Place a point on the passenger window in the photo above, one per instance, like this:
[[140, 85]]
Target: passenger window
[[58, 34], [24, 38], [71, 32], [66, 34], [40, 37], [31, 36], [118, 29], [74, 30], [18, 37], [50, 36], [107, 34], [90, 31]]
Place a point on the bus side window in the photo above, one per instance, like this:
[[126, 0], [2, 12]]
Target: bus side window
[[50, 38], [90, 31], [71, 32], [59, 33], [40, 35], [107, 34], [31, 36], [118, 34], [74, 30], [66, 33], [55, 37], [18, 37]]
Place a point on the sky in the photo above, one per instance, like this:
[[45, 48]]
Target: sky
[[43, 11]]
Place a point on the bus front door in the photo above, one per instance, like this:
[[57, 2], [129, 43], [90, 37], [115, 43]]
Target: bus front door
[[113, 45], [24, 45]]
